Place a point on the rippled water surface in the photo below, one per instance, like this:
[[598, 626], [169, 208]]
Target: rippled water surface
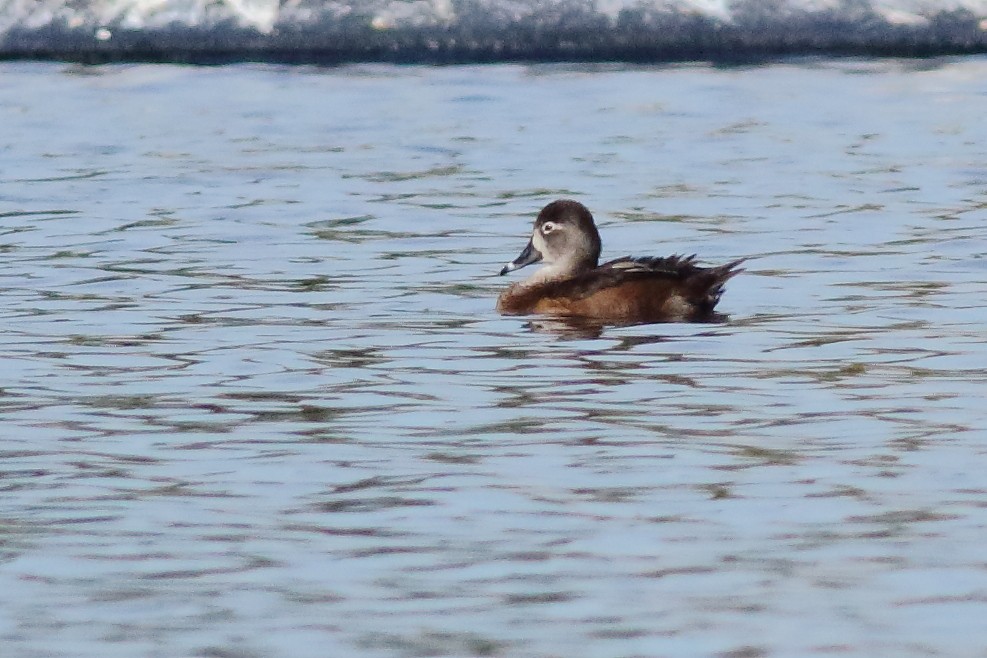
[[256, 400]]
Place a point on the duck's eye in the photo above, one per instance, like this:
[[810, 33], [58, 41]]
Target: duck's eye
[[547, 227]]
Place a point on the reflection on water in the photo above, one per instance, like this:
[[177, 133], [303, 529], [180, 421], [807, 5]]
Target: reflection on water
[[257, 401]]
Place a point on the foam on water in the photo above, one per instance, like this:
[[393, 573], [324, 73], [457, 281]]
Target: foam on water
[[455, 30]]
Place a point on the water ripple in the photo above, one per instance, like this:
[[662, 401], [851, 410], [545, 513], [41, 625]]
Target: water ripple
[[257, 399]]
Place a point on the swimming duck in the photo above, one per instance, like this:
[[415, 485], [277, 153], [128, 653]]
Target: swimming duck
[[626, 290]]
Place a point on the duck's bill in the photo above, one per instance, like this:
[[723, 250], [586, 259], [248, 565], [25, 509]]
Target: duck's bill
[[528, 256]]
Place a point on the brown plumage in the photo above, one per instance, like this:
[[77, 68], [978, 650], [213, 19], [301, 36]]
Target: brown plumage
[[625, 290]]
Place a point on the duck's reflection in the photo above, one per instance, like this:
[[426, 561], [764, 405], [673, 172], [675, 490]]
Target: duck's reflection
[[568, 327], [589, 328]]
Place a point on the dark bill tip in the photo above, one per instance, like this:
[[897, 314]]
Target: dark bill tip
[[528, 256]]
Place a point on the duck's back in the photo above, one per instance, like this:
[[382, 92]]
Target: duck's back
[[649, 289]]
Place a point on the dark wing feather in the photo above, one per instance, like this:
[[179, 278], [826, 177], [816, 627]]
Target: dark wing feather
[[676, 266], [672, 277], [676, 270]]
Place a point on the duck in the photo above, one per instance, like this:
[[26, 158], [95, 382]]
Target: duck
[[629, 290]]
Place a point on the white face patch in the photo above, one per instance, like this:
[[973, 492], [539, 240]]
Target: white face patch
[[538, 240]]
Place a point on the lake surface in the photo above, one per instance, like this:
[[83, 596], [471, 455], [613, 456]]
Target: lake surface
[[256, 400]]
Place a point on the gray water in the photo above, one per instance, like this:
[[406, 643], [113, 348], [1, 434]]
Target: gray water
[[256, 400]]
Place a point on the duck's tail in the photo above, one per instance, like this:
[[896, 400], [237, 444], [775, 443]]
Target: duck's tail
[[708, 283]]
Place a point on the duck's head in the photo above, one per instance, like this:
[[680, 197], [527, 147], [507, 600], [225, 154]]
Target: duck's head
[[564, 238]]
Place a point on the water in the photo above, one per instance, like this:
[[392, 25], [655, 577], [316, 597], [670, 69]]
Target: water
[[256, 400]]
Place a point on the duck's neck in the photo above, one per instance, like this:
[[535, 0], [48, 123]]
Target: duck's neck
[[560, 271]]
